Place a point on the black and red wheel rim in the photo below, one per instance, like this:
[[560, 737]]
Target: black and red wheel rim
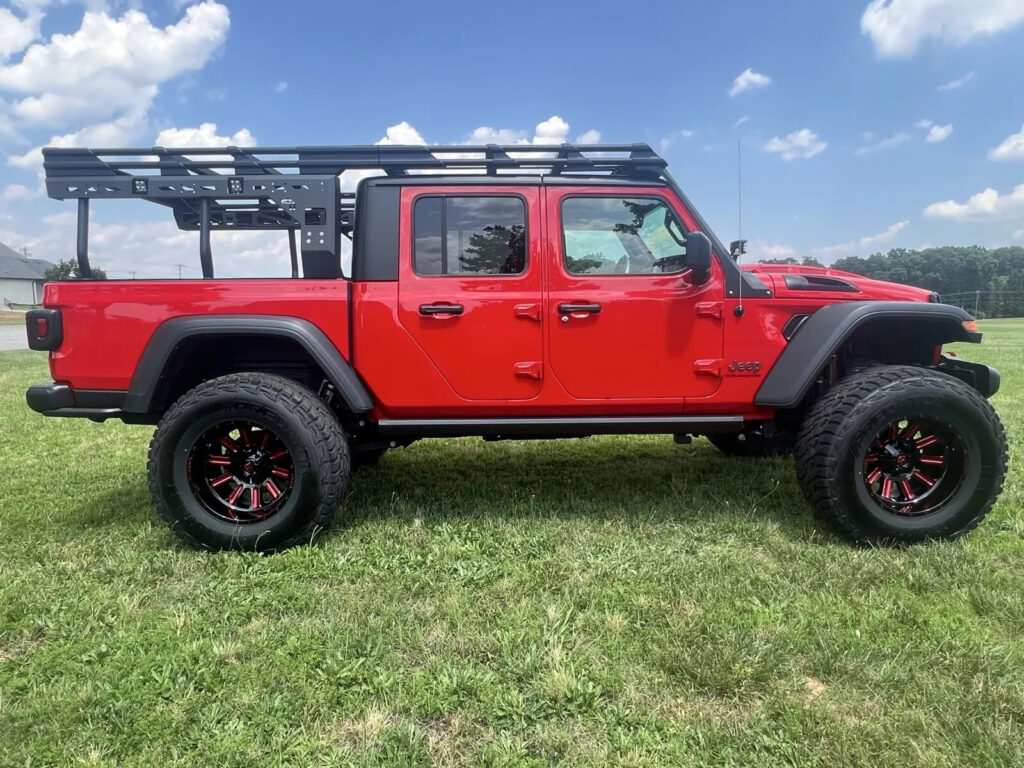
[[240, 471], [915, 466]]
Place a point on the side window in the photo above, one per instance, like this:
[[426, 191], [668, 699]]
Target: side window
[[471, 235], [621, 236]]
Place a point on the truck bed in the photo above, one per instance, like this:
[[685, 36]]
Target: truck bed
[[107, 323]]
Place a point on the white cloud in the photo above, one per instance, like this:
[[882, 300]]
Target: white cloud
[[554, 130], [16, 33], [887, 143], [748, 80], [110, 65], [960, 82], [281, 86], [804, 143], [924, 124], [898, 27], [124, 130], [668, 141], [401, 133], [18, 192], [1019, 234], [741, 121], [864, 243], [551, 131], [487, 134], [988, 204], [775, 251], [203, 136], [938, 133], [1012, 147]]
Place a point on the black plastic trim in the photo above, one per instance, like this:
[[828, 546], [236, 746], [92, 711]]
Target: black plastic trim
[[151, 369], [559, 426], [375, 247], [789, 330], [55, 329], [825, 331], [983, 378], [52, 399], [817, 283]]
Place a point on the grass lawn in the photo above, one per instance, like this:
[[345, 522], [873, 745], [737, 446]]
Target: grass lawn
[[610, 601], [11, 318]]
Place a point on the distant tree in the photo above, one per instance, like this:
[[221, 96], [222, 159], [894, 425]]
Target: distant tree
[[806, 261], [68, 270], [990, 282], [498, 250]]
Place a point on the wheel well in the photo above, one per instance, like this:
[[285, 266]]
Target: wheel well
[[896, 340], [878, 341], [199, 358]]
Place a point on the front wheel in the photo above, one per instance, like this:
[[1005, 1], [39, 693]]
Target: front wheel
[[249, 461], [901, 454]]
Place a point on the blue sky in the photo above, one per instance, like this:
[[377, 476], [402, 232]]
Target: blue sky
[[834, 113]]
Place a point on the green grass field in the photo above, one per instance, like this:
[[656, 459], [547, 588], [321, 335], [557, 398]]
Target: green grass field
[[610, 601], [12, 318]]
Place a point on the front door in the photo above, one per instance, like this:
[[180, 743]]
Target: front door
[[470, 287], [625, 318]]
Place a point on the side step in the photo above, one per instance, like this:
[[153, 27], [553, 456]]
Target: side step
[[559, 426]]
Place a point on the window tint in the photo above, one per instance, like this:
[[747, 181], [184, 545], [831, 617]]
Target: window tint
[[617, 235], [469, 236]]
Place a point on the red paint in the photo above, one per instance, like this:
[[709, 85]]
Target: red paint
[[660, 345]]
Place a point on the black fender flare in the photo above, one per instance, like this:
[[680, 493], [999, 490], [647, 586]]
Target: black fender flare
[[824, 332], [151, 369]]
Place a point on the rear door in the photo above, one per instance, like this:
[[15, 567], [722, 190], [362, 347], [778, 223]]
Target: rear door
[[470, 286], [627, 322]]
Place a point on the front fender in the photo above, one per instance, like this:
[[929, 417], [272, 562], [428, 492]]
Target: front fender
[[824, 332]]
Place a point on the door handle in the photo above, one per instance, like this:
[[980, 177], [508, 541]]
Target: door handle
[[441, 309], [568, 309]]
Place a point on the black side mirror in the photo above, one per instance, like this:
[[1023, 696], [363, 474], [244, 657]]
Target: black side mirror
[[698, 256]]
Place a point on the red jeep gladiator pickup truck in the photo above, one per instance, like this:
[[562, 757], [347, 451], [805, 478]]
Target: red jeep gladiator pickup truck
[[503, 292]]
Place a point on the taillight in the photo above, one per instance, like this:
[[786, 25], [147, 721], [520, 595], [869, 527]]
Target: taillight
[[45, 329]]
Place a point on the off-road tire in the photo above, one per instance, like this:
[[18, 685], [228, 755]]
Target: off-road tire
[[841, 429], [752, 446], [317, 453]]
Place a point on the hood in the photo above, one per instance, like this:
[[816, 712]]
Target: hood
[[795, 281]]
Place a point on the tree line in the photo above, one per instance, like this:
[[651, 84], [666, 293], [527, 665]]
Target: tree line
[[988, 282]]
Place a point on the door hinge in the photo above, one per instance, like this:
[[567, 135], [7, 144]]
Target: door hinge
[[708, 368], [528, 370], [709, 309], [528, 311]]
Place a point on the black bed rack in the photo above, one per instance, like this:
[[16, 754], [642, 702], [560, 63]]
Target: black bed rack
[[297, 189]]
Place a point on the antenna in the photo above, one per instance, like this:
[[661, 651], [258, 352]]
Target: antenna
[[738, 311]]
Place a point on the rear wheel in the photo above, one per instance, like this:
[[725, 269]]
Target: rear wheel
[[901, 454], [248, 461]]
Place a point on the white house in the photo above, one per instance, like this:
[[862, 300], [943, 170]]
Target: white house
[[21, 279]]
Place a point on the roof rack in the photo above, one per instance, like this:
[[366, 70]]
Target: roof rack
[[297, 188]]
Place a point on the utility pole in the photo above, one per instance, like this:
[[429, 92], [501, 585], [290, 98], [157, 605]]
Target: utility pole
[[180, 267], [132, 273], [977, 295]]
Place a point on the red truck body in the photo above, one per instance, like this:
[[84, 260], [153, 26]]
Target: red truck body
[[658, 346], [590, 298]]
